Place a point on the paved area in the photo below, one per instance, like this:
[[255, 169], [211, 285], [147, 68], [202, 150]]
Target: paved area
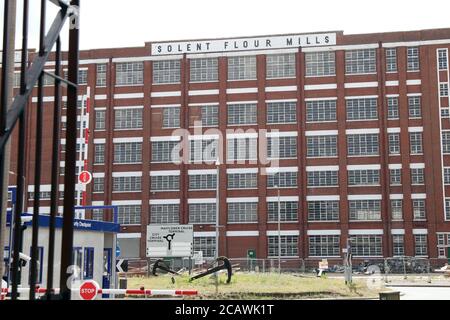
[[423, 293]]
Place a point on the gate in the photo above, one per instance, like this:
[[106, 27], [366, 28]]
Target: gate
[[13, 114]]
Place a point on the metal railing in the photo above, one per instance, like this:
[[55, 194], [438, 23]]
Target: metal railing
[[13, 114]]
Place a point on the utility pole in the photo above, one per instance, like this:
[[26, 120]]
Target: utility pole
[[8, 59]]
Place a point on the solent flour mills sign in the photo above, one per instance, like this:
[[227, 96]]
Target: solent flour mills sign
[[257, 43]]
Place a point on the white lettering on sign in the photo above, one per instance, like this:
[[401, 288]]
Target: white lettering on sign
[[258, 43]]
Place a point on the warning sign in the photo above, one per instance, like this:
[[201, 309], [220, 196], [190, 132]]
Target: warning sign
[[169, 240]]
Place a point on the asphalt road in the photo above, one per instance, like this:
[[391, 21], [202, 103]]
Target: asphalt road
[[423, 293]]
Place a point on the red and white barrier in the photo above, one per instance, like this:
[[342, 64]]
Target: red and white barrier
[[141, 291]]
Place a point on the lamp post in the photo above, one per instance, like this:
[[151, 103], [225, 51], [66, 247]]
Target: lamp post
[[216, 255], [279, 229]]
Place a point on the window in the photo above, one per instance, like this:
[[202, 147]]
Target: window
[[445, 112], [321, 146], [366, 245], [398, 245], [392, 104], [98, 184], [207, 245], [362, 109], [327, 210], [128, 118], [365, 210], [443, 59], [414, 107], [129, 73], [210, 115], [243, 212], [129, 214], [164, 183], [242, 180], [420, 245], [203, 150], [417, 176], [82, 77], [447, 209], [415, 142], [128, 152], [447, 175], [171, 117], [443, 89], [394, 143], [360, 61], [446, 142], [288, 245], [164, 213], [202, 213], [202, 181], [324, 246], [320, 64], [281, 112], [165, 151], [391, 60], [77, 260], [419, 209], [362, 144], [321, 110], [280, 66], [282, 147], [126, 184], [288, 211], [242, 149], [241, 114], [413, 59], [43, 195], [397, 209], [395, 176], [99, 153], [97, 214], [322, 178], [166, 71], [204, 70], [282, 180], [100, 117], [242, 68], [101, 75], [363, 177], [88, 270]]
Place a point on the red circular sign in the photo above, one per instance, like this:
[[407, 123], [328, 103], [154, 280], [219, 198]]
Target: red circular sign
[[85, 177], [88, 290]]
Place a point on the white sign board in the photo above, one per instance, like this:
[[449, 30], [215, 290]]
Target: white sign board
[[170, 240], [239, 44], [198, 257]]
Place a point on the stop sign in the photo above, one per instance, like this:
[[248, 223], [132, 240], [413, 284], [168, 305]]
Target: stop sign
[[89, 290], [85, 177]]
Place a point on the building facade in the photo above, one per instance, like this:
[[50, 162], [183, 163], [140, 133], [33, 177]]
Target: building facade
[[341, 137]]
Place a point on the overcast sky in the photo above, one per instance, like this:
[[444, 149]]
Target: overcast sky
[[113, 23]]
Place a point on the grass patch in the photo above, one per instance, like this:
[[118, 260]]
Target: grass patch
[[260, 286]]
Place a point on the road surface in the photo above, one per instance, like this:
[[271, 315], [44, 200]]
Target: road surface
[[423, 293]]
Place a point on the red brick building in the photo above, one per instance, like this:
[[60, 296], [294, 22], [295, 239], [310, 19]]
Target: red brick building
[[356, 129]]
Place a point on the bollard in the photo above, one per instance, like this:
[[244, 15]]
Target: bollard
[[122, 285], [390, 295]]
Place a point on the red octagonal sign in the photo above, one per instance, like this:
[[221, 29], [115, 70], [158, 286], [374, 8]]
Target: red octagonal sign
[[85, 177], [88, 290]]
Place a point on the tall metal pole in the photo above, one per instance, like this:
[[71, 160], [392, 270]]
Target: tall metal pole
[[8, 57], [217, 221], [279, 233], [71, 153]]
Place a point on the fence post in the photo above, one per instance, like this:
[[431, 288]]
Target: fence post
[[386, 270], [429, 270], [404, 269], [264, 265]]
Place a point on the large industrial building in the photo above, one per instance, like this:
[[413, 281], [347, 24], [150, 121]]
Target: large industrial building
[[343, 138]]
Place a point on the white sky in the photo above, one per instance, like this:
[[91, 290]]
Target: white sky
[[113, 23]]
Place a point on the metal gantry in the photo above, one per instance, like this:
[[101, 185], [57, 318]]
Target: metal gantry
[[13, 114]]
